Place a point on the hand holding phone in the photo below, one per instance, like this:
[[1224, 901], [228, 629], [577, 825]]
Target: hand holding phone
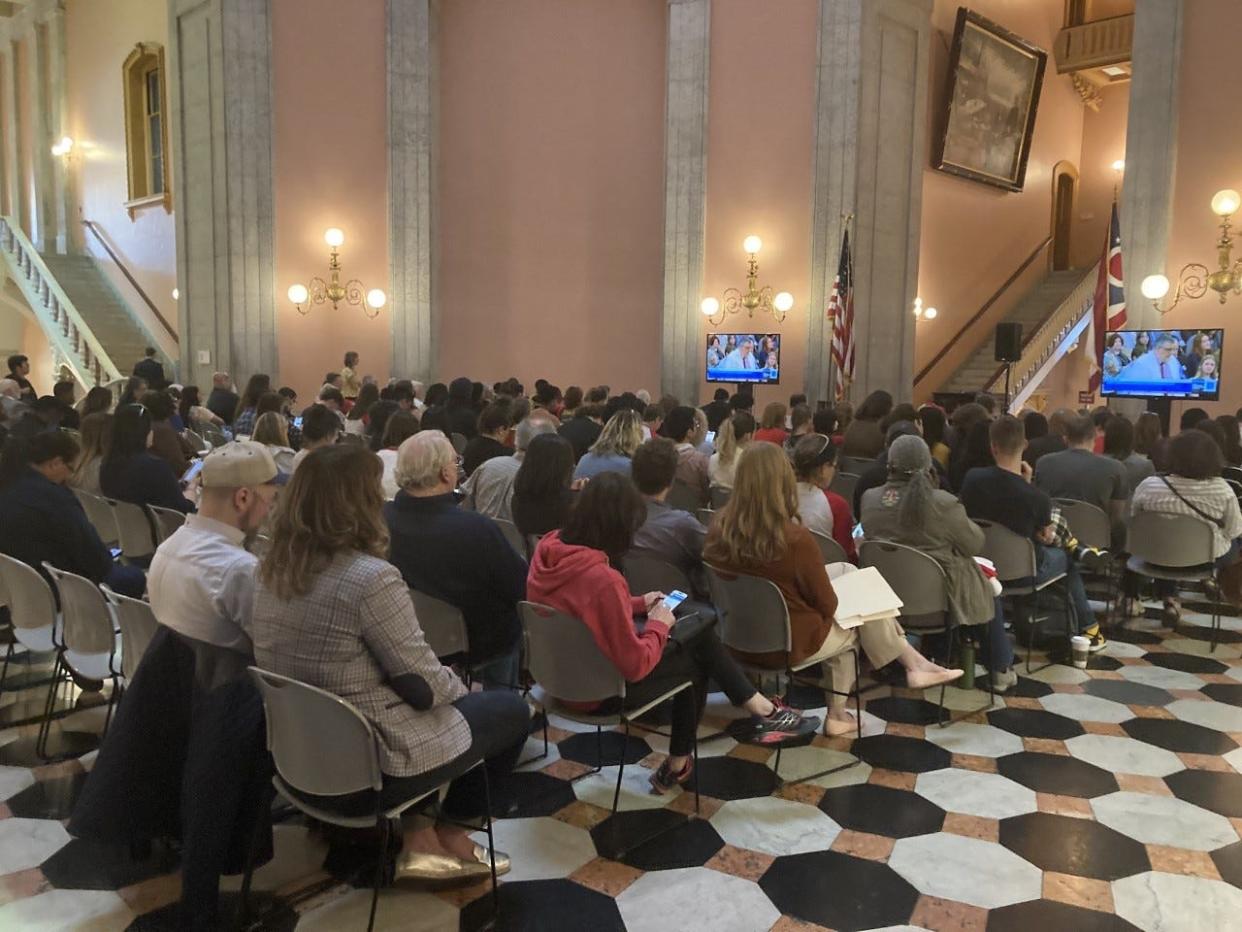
[[196, 467], [663, 610]]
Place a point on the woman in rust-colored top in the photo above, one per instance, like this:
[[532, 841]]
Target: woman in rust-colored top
[[757, 534]]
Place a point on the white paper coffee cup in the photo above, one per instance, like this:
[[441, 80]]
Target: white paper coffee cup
[[1080, 646]]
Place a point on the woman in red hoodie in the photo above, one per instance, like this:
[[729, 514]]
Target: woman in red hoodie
[[574, 571]]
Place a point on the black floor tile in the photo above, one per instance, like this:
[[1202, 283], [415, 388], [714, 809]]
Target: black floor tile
[[1068, 845], [882, 810], [1134, 635], [48, 799], [89, 865], [1051, 916], [1173, 735], [905, 711], [1128, 693], [631, 829], [691, 844], [1103, 662], [1057, 773], [1187, 663], [525, 795], [733, 778], [1027, 688], [897, 752], [1036, 723], [839, 891], [1228, 861], [1204, 633], [805, 696], [265, 911], [1230, 693], [585, 748], [1219, 792], [544, 906]]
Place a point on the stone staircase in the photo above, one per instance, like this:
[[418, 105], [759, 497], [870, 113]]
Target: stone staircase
[[977, 373]]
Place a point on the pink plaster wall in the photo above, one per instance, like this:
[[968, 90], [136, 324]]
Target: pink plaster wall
[[1208, 159], [974, 235], [330, 169], [760, 178], [551, 196], [1103, 142]]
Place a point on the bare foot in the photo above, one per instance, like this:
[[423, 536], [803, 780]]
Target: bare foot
[[922, 679], [456, 842]]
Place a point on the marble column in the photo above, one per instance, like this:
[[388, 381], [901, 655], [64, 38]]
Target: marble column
[[685, 195], [1151, 151], [61, 208], [871, 148], [14, 195], [412, 92], [219, 74], [40, 138]]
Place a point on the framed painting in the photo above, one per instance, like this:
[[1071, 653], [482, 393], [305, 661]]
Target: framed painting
[[994, 83]]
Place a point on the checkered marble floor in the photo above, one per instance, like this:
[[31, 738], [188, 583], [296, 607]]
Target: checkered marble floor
[[1104, 799]]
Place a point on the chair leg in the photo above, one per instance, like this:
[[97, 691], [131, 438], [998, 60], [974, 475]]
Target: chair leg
[[491, 843], [694, 751], [4, 673], [941, 718], [858, 692], [45, 726], [381, 863], [616, 794]]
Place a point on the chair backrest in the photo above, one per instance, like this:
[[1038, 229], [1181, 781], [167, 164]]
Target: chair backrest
[[829, 549], [137, 623], [85, 619], [855, 465], [443, 625], [1086, 522], [134, 529], [1235, 486], [29, 597], [684, 497], [512, 535], [458, 441], [706, 516], [752, 613], [99, 514], [649, 574], [1232, 473], [200, 445], [720, 496], [319, 743], [532, 541], [844, 483], [1013, 556], [563, 657], [166, 521], [917, 578], [1170, 540]]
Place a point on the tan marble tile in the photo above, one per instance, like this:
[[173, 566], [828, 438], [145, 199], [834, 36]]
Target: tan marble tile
[[1024, 702], [557, 735], [931, 912], [1105, 675], [972, 826], [833, 744], [152, 894], [582, 815], [566, 769], [790, 924], [684, 803], [752, 752], [1180, 861], [864, 845], [1079, 891], [5, 811], [1067, 687], [1192, 694], [907, 731], [1216, 678], [1104, 728], [807, 793], [1135, 783], [897, 779], [1151, 711], [1205, 762], [740, 862], [971, 762], [22, 884], [1045, 746], [465, 895], [610, 878], [1064, 805]]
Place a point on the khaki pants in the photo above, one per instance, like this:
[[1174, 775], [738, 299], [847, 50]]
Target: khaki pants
[[882, 641]]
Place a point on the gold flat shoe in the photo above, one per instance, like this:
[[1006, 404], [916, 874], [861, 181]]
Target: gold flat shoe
[[502, 860], [438, 868]]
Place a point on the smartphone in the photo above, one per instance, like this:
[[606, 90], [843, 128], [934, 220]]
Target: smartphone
[[711, 436], [115, 551], [195, 467], [673, 599], [297, 422], [858, 531]]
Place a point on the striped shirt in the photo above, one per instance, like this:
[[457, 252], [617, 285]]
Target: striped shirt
[[1212, 497]]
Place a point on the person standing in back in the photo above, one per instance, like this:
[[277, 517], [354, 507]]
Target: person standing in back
[[150, 369]]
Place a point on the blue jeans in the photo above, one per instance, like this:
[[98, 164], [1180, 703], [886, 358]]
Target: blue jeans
[[997, 650], [1052, 561], [501, 672]]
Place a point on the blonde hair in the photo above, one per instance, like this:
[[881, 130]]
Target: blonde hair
[[773, 416], [95, 436], [728, 442], [272, 429], [700, 426], [750, 528], [421, 458], [332, 505], [622, 435]]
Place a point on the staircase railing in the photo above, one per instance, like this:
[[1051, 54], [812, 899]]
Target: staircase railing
[[1040, 351], [93, 228], [987, 305], [60, 320]]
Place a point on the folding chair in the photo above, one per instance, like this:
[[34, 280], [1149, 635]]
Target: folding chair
[[684, 497], [720, 496], [166, 521], [706, 516], [199, 443], [923, 588], [1093, 528], [100, 515], [754, 619], [91, 648], [135, 532], [458, 441], [444, 627], [843, 484], [532, 541], [568, 667], [648, 574], [854, 465], [1016, 567], [137, 624], [829, 549], [321, 745], [1178, 548], [512, 535]]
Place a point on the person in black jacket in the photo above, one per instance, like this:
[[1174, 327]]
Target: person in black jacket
[[222, 402], [541, 488], [458, 556], [43, 520], [488, 443], [151, 369], [583, 429], [717, 409], [460, 409], [131, 473]]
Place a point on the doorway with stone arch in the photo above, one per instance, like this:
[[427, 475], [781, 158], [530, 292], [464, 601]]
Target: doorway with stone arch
[[1064, 196]]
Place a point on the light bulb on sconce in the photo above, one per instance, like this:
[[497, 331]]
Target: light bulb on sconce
[[64, 147], [783, 301], [176, 293], [376, 298], [334, 237], [930, 313], [709, 307], [751, 245], [298, 294], [334, 291], [1119, 166], [754, 298], [1225, 203], [1154, 287], [923, 313]]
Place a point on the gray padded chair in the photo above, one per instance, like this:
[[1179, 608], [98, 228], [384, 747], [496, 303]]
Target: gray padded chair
[[1178, 548], [36, 627], [843, 484], [1092, 528], [135, 531], [458, 441], [512, 535], [706, 516], [137, 624], [829, 550], [443, 625], [100, 515], [166, 521], [647, 574], [91, 648], [720, 497], [321, 745], [754, 619]]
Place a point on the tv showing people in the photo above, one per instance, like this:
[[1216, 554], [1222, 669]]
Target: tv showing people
[[1162, 364], [744, 357]]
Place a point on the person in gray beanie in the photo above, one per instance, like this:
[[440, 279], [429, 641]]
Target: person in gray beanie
[[910, 510]]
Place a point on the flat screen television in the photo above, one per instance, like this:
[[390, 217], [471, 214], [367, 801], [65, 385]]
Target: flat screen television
[[1162, 364], [744, 357]]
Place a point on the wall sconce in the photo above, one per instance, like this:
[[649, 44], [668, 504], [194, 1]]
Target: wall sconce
[[923, 313], [332, 291], [755, 298], [63, 148], [1194, 279]]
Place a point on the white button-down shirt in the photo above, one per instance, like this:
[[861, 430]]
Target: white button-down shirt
[[201, 583]]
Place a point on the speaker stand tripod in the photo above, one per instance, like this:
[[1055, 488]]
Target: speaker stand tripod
[[1008, 370]]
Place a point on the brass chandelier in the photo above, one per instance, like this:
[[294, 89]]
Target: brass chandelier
[[754, 298], [353, 292], [1195, 279]]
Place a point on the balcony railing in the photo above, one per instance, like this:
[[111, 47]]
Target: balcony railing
[[1094, 45]]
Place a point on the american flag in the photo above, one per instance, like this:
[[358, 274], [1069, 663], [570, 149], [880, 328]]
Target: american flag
[[841, 313], [1108, 309]]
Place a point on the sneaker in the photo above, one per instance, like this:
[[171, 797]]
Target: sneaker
[[1098, 641], [665, 778], [1094, 560], [784, 724], [1002, 682]]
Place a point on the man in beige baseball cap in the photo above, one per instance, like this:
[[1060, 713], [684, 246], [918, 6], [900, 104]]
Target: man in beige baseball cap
[[201, 581]]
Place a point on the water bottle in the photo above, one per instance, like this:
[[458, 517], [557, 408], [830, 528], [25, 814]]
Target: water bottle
[[968, 664]]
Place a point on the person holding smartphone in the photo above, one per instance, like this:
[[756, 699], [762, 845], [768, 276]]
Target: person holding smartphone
[[574, 570]]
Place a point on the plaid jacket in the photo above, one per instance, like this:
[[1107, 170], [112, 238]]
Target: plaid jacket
[[350, 635]]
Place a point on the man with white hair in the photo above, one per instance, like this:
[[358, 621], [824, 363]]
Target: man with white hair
[[11, 398], [489, 490], [456, 556], [201, 582]]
